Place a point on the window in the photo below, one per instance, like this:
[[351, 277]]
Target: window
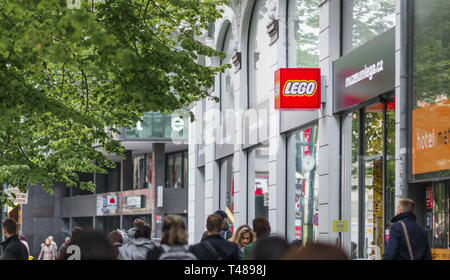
[[430, 108], [227, 187], [303, 185], [260, 55], [258, 182], [226, 79], [364, 20], [142, 171], [176, 170], [303, 33]]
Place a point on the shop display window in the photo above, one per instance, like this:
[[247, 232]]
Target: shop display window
[[227, 188], [258, 182]]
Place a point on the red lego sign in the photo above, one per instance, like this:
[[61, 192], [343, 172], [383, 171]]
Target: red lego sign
[[297, 88]]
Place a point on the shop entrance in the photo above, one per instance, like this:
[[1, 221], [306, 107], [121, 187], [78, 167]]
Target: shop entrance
[[368, 166]]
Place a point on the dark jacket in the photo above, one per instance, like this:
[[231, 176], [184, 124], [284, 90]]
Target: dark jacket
[[13, 249], [223, 249], [396, 248]]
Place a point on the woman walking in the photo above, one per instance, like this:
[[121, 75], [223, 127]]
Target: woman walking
[[243, 236], [48, 251]]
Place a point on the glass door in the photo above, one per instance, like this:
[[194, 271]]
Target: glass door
[[368, 139]]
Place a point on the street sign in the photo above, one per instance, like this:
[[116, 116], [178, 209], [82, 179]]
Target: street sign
[[316, 219], [340, 226], [21, 198]]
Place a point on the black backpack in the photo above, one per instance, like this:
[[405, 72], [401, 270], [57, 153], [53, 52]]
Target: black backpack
[[176, 253]]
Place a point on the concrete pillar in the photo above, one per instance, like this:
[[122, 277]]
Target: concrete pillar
[[159, 175]]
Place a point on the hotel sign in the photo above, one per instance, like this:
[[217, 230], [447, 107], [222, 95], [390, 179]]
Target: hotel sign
[[431, 138], [364, 73], [297, 88]]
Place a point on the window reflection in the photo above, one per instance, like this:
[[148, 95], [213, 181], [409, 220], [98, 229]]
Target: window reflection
[[258, 184]]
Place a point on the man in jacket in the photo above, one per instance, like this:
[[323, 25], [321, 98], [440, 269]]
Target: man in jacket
[[226, 232], [139, 246], [396, 246], [215, 247], [13, 249]]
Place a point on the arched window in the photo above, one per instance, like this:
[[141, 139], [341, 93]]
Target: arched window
[[226, 79], [260, 75]]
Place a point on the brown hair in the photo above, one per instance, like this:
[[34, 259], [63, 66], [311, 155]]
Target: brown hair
[[214, 223], [317, 251], [10, 226], [174, 231], [261, 226], [138, 222], [115, 237], [406, 205]]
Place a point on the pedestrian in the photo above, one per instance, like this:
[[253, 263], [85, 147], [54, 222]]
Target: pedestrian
[[215, 247], [64, 245], [317, 251], [138, 247], [116, 240], [53, 243], [48, 251], [225, 232], [243, 236], [261, 228], [269, 248], [24, 242], [174, 241], [13, 249], [407, 240], [94, 245], [131, 232], [75, 234]]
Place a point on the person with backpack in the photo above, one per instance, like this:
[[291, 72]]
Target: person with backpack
[[215, 247], [174, 241], [407, 240]]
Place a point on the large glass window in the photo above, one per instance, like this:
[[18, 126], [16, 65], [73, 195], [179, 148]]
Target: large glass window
[[226, 79], [368, 150], [431, 102], [303, 33], [302, 185], [258, 182], [260, 55], [365, 19], [227, 188], [142, 170], [176, 170]]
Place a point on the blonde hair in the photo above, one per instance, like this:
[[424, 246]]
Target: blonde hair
[[406, 205], [174, 231], [237, 235]]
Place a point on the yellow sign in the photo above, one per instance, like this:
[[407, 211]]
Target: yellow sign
[[440, 254], [340, 226]]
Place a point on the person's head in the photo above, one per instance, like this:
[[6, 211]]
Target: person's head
[[270, 248], [137, 222], [9, 227], [224, 218], [244, 236], [50, 238], [76, 232], [47, 241], [115, 237], [67, 240], [174, 231], [317, 251], [143, 231], [214, 224], [261, 227], [95, 246], [405, 206]]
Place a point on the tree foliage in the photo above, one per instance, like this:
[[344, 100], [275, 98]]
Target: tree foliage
[[67, 74]]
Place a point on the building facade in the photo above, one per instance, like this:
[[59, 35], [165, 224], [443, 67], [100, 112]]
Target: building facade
[[335, 174], [149, 183]]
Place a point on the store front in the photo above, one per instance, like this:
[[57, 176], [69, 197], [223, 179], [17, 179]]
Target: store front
[[364, 98]]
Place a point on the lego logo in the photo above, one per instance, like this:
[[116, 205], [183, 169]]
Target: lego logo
[[300, 88]]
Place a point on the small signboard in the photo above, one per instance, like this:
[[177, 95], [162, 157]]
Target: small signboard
[[20, 197], [316, 219], [134, 201], [297, 88], [429, 198], [340, 226]]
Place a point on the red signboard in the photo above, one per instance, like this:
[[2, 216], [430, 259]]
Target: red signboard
[[297, 88], [429, 198]]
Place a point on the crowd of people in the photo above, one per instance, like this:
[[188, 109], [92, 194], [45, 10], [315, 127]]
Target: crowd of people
[[217, 243]]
